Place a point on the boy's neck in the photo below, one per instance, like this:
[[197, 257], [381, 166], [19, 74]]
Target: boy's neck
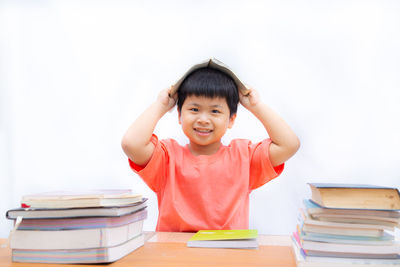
[[210, 149]]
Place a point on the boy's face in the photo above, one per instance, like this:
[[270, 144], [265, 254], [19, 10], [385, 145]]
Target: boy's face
[[204, 121]]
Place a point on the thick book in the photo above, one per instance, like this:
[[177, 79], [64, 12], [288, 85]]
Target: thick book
[[78, 256], [308, 224], [303, 260], [360, 248], [75, 239], [345, 225], [349, 229], [81, 222], [32, 213], [351, 248], [385, 239], [379, 217], [314, 209], [319, 252], [224, 239], [91, 198], [355, 196]]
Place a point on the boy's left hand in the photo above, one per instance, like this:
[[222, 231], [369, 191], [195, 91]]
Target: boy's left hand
[[250, 100], [284, 141]]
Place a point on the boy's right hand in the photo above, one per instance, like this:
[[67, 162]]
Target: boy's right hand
[[136, 142], [167, 101]]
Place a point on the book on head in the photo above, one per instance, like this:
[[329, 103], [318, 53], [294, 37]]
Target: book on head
[[355, 196], [214, 64], [224, 239]]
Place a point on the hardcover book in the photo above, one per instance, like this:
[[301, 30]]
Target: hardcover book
[[215, 64], [355, 196], [309, 225], [345, 260], [382, 217], [33, 213], [81, 222], [82, 256], [362, 249], [75, 239], [92, 198], [385, 239]]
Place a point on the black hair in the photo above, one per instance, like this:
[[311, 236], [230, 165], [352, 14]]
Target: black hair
[[211, 83]]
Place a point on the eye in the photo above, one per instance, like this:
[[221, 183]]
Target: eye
[[194, 109], [215, 111]]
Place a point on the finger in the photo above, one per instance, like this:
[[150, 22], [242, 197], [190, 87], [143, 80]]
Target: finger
[[245, 91], [172, 91], [174, 96]]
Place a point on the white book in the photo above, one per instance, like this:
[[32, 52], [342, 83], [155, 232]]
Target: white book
[[82, 256], [31, 213], [339, 225], [75, 239], [314, 261], [82, 199], [385, 239], [351, 248]]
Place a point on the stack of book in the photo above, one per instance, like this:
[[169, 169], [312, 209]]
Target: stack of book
[[348, 225], [63, 227]]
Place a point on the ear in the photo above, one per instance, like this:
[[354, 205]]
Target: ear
[[179, 116], [231, 120]]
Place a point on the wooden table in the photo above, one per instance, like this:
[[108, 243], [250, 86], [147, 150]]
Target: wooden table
[[169, 249]]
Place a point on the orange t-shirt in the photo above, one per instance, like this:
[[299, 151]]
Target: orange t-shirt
[[206, 191]]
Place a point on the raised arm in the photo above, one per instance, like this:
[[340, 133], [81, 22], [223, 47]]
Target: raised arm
[[284, 141], [136, 141]]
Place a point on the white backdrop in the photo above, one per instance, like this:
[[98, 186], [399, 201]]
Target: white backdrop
[[75, 74]]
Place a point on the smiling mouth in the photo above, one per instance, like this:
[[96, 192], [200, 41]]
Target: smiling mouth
[[202, 131]]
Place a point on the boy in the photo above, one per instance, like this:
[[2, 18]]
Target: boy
[[206, 185]]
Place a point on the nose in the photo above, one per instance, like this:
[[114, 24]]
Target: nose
[[203, 118]]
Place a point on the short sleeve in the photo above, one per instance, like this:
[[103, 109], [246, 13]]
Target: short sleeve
[[261, 169], [153, 173]]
